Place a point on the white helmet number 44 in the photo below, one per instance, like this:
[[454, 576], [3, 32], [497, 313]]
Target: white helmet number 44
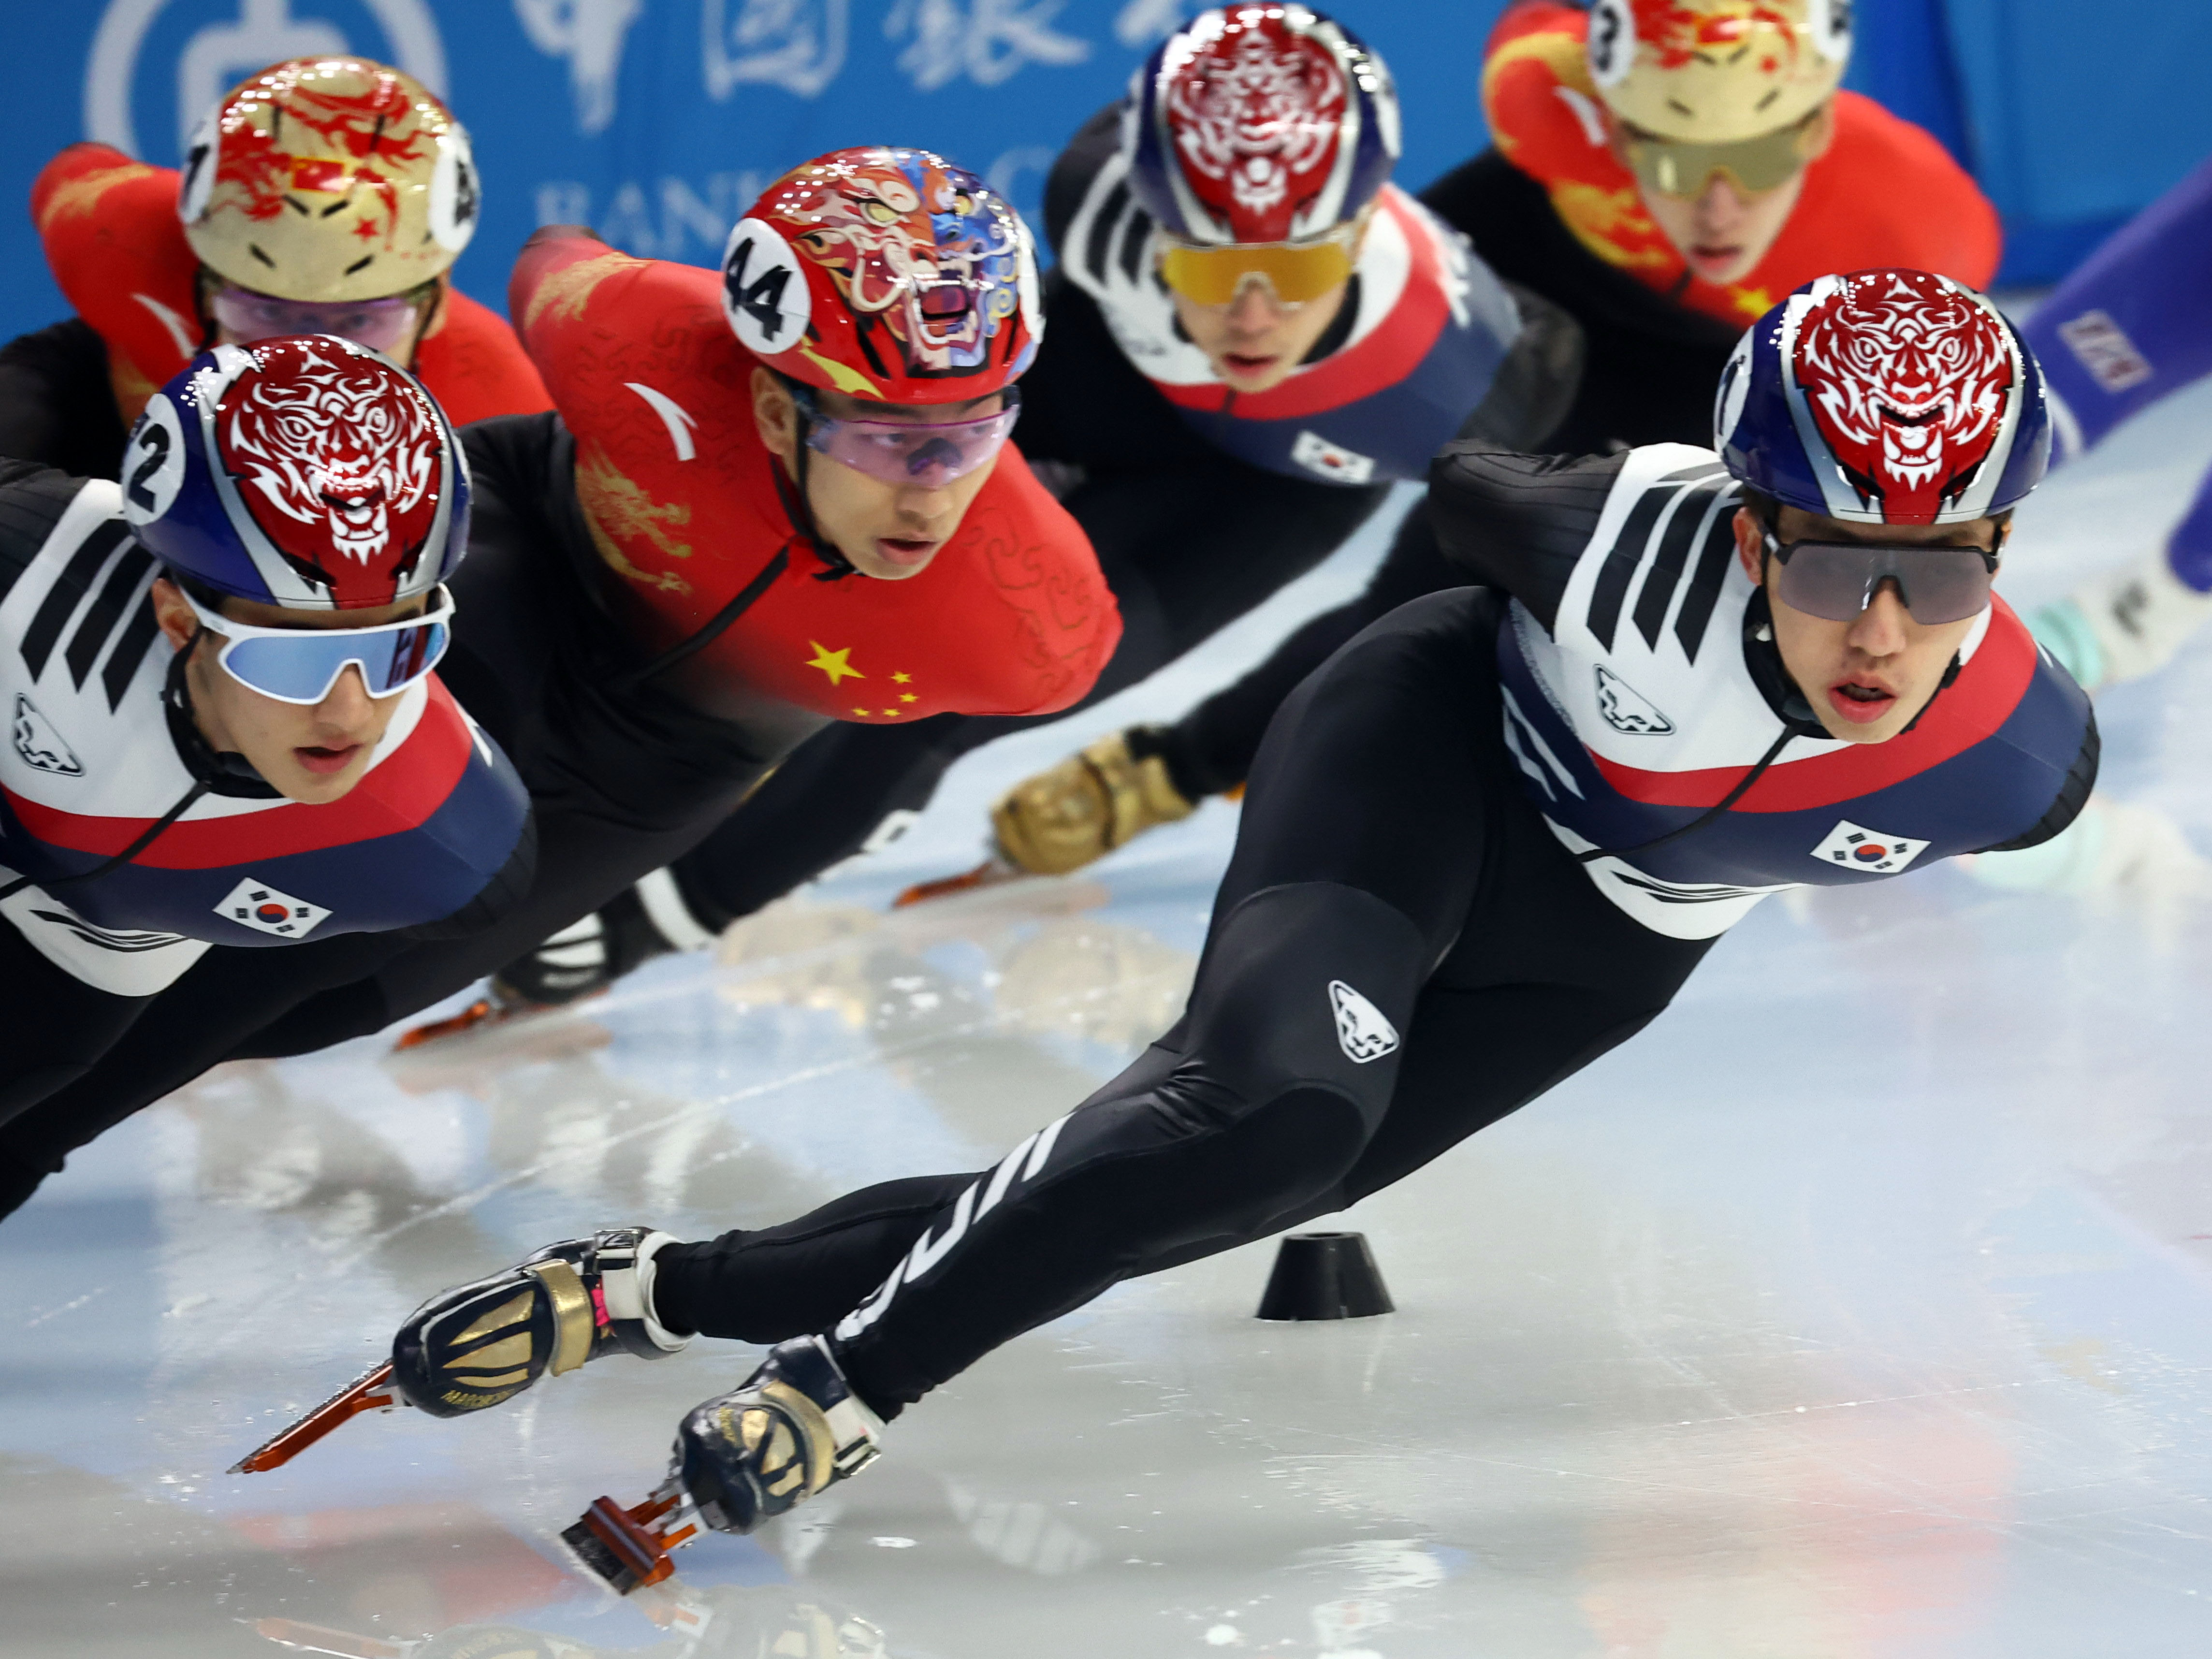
[[1362, 1031]]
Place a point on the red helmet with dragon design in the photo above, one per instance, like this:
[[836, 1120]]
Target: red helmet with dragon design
[[888, 275]]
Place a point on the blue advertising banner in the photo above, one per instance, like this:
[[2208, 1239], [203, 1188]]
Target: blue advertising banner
[[656, 121]]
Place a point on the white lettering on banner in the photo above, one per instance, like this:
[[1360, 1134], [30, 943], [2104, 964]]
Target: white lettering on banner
[[1141, 23], [797, 45], [590, 35], [989, 41], [687, 225], [240, 37]]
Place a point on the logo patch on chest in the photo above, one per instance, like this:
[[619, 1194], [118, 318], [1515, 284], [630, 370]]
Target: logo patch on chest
[[1332, 461], [40, 744], [267, 909], [1627, 710], [1362, 1031], [1857, 848]]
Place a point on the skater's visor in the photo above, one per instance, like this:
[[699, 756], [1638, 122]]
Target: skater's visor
[[925, 453], [1297, 271], [379, 325], [300, 664], [1676, 166], [1838, 580]]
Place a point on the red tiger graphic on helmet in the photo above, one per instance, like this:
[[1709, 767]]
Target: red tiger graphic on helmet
[[1906, 375], [339, 464], [1257, 112]]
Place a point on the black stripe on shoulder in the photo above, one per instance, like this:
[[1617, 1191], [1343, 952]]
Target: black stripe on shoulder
[[1621, 559], [1099, 244], [129, 651], [69, 587], [1519, 522], [1705, 582], [1693, 512], [104, 612]]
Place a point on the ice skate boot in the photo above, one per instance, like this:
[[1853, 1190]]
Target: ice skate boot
[[480, 1344], [788, 1431]]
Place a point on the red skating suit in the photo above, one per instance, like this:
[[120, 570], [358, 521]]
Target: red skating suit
[[436, 825], [1885, 194], [1010, 618], [120, 255]]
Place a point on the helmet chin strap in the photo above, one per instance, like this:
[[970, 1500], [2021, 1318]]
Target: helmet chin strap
[[220, 772], [798, 507]]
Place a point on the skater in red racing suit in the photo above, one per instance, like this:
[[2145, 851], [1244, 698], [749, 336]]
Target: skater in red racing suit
[[322, 195]]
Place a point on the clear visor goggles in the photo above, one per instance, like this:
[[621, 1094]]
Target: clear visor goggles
[[1297, 271], [1838, 580], [920, 454], [300, 664], [380, 325], [1676, 166]]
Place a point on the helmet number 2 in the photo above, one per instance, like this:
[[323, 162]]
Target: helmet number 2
[[763, 293], [155, 463]]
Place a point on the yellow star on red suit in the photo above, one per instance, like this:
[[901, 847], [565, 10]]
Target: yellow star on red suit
[[835, 663]]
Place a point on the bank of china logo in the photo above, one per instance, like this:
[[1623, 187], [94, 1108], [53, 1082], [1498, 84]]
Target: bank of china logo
[[1858, 848], [40, 744], [1361, 1029], [1625, 709], [265, 909], [134, 65]]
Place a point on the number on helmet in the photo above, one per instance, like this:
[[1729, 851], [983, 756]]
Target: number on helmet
[[764, 293]]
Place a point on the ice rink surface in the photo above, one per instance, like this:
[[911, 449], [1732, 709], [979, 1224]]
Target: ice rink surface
[[1862, 1307]]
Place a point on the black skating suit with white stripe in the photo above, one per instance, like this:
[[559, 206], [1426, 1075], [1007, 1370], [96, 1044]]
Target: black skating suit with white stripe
[[1404, 949]]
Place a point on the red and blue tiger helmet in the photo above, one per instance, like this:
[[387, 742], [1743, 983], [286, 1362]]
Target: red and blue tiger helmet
[[1259, 123], [1885, 397], [309, 472]]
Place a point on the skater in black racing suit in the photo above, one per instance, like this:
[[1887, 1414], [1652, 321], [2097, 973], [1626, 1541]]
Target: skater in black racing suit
[[1484, 846]]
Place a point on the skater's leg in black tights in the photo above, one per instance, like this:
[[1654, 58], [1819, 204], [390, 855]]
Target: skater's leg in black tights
[[57, 1026], [780, 1282], [1390, 877]]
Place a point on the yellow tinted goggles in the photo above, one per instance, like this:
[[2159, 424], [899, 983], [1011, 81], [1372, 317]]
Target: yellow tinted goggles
[[1297, 271], [1674, 167]]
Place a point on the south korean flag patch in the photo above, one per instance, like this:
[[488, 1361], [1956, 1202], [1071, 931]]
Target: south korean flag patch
[[1858, 848], [267, 909]]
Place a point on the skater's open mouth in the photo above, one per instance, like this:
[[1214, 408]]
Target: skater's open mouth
[[1242, 362], [1862, 702], [323, 762]]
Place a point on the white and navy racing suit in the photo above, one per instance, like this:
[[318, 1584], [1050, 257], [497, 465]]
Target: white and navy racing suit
[[129, 849], [1405, 947], [1201, 502]]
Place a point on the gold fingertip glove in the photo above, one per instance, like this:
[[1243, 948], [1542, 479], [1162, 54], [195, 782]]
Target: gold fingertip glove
[[1085, 807]]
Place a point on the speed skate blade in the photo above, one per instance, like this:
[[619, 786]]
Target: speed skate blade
[[372, 1391], [989, 873], [468, 1019], [318, 1638], [629, 1548]]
